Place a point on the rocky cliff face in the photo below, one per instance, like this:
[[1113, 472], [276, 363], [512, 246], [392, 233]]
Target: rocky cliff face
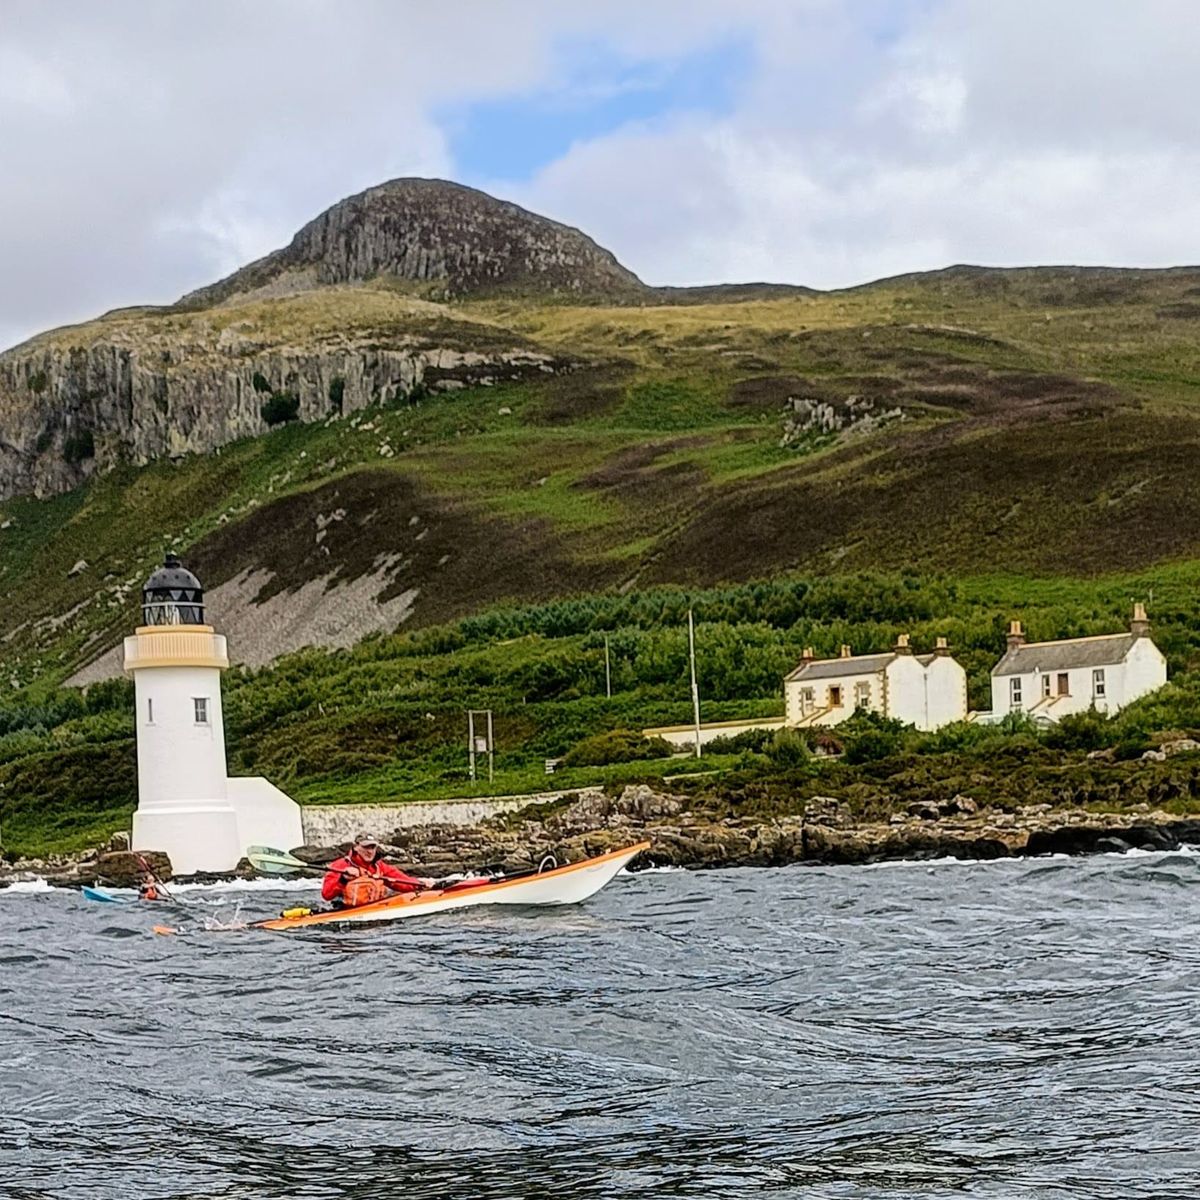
[[140, 384], [431, 231], [74, 405]]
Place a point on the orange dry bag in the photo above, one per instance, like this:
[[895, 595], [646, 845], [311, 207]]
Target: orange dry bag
[[364, 890]]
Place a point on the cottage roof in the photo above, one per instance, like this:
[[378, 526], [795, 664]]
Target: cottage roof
[[835, 668], [1072, 653]]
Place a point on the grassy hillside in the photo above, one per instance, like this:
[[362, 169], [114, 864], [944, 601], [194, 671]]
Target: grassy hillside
[[980, 444], [386, 720], [1039, 422]]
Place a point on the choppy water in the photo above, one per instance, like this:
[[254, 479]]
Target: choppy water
[[1012, 1029]]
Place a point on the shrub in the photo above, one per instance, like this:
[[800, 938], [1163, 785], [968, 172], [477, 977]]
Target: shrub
[[874, 744], [337, 391], [787, 749], [79, 446], [615, 746], [754, 740], [282, 407], [261, 383], [1081, 731], [45, 440], [38, 382]]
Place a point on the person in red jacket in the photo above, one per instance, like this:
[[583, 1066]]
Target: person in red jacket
[[362, 877]]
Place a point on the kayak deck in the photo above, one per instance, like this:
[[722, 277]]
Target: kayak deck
[[568, 884]]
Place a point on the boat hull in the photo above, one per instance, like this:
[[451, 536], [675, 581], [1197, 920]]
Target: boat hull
[[562, 885], [103, 897]]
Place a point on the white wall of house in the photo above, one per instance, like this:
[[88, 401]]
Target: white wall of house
[[927, 695], [831, 701], [945, 692], [906, 688], [1145, 672], [1107, 689]]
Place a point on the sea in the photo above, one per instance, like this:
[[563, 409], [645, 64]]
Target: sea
[[1017, 1029]]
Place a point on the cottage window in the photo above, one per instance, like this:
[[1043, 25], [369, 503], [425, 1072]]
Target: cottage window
[[862, 694], [1098, 688], [1014, 692], [1064, 684], [808, 700], [835, 697], [201, 706], [1045, 685]]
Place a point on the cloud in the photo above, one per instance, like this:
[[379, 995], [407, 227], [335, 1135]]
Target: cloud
[[1007, 133], [150, 149]]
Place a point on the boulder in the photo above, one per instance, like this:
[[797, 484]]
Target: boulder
[[642, 803], [1179, 746], [123, 868]]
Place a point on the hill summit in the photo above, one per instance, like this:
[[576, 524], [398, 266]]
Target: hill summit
[[431, 231]]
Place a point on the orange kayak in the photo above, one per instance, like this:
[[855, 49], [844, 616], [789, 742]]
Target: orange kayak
[[560, 885]]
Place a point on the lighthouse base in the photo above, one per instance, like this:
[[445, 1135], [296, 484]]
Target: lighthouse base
[[196, 838]]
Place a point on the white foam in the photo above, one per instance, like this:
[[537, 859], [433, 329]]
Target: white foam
[[27, 885]]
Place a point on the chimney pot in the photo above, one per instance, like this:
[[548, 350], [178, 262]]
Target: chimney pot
[[902, 646], [1016, 635], [807, 653], [845, 651], [942, 647]]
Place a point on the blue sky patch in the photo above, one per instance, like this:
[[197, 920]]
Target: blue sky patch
[[597, 92]]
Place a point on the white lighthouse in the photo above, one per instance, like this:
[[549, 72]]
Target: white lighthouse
[[187, 806]]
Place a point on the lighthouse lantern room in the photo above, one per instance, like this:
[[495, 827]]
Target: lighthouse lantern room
[[176, 661]]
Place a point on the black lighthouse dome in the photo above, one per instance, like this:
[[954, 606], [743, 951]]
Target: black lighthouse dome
[[172, 596]]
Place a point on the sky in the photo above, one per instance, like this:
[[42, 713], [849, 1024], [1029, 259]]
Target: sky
[[152, 146]]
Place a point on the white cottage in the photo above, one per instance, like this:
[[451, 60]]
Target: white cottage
[[925, 690], [1048, 680]]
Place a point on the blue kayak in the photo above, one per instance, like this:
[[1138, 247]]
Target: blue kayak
[[93, 893]]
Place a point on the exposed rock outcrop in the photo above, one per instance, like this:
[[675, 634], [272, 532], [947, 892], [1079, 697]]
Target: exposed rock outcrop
[[434, 231], [78, 402]]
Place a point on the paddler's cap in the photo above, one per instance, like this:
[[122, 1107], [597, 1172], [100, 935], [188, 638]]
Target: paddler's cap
[[366, 841]]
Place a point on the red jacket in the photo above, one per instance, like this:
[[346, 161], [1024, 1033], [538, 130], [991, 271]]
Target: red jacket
[[335, 884]]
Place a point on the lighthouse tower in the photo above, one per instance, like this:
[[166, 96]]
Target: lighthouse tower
[[176, 661]]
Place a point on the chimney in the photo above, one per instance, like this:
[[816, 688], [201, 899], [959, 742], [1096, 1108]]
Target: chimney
[[941, 648], [806, 654], [902, 646], [1140, 625], [845, 651], [1016, 635]]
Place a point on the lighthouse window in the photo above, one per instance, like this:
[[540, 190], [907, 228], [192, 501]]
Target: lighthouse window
[[201, 703]]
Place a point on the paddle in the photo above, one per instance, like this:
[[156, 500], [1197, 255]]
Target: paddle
[[157, 882], [279, 862]]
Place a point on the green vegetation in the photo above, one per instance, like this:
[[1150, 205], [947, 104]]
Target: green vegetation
[[386, 719], [337, 392], [1037, 462], [79, 446], [281, 407], [615, 746]]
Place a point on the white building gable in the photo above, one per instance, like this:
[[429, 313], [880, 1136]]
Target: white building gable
[[925, 690], [1049, 680]]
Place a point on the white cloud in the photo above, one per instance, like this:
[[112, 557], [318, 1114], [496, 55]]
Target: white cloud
[[151, 148], [1006, 133]]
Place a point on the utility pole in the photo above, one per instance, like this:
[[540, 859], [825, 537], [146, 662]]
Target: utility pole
[[607, 670], [695, 686]]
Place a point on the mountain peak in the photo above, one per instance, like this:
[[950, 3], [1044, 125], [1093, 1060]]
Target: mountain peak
[[433, 231]]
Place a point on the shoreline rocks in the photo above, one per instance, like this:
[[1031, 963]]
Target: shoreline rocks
[[592, 822]]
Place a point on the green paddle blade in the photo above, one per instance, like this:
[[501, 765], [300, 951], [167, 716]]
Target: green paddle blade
[[274, 862]]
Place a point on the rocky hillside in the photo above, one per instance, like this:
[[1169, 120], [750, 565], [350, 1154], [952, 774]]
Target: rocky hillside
[[341, 456], [461, 241]]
